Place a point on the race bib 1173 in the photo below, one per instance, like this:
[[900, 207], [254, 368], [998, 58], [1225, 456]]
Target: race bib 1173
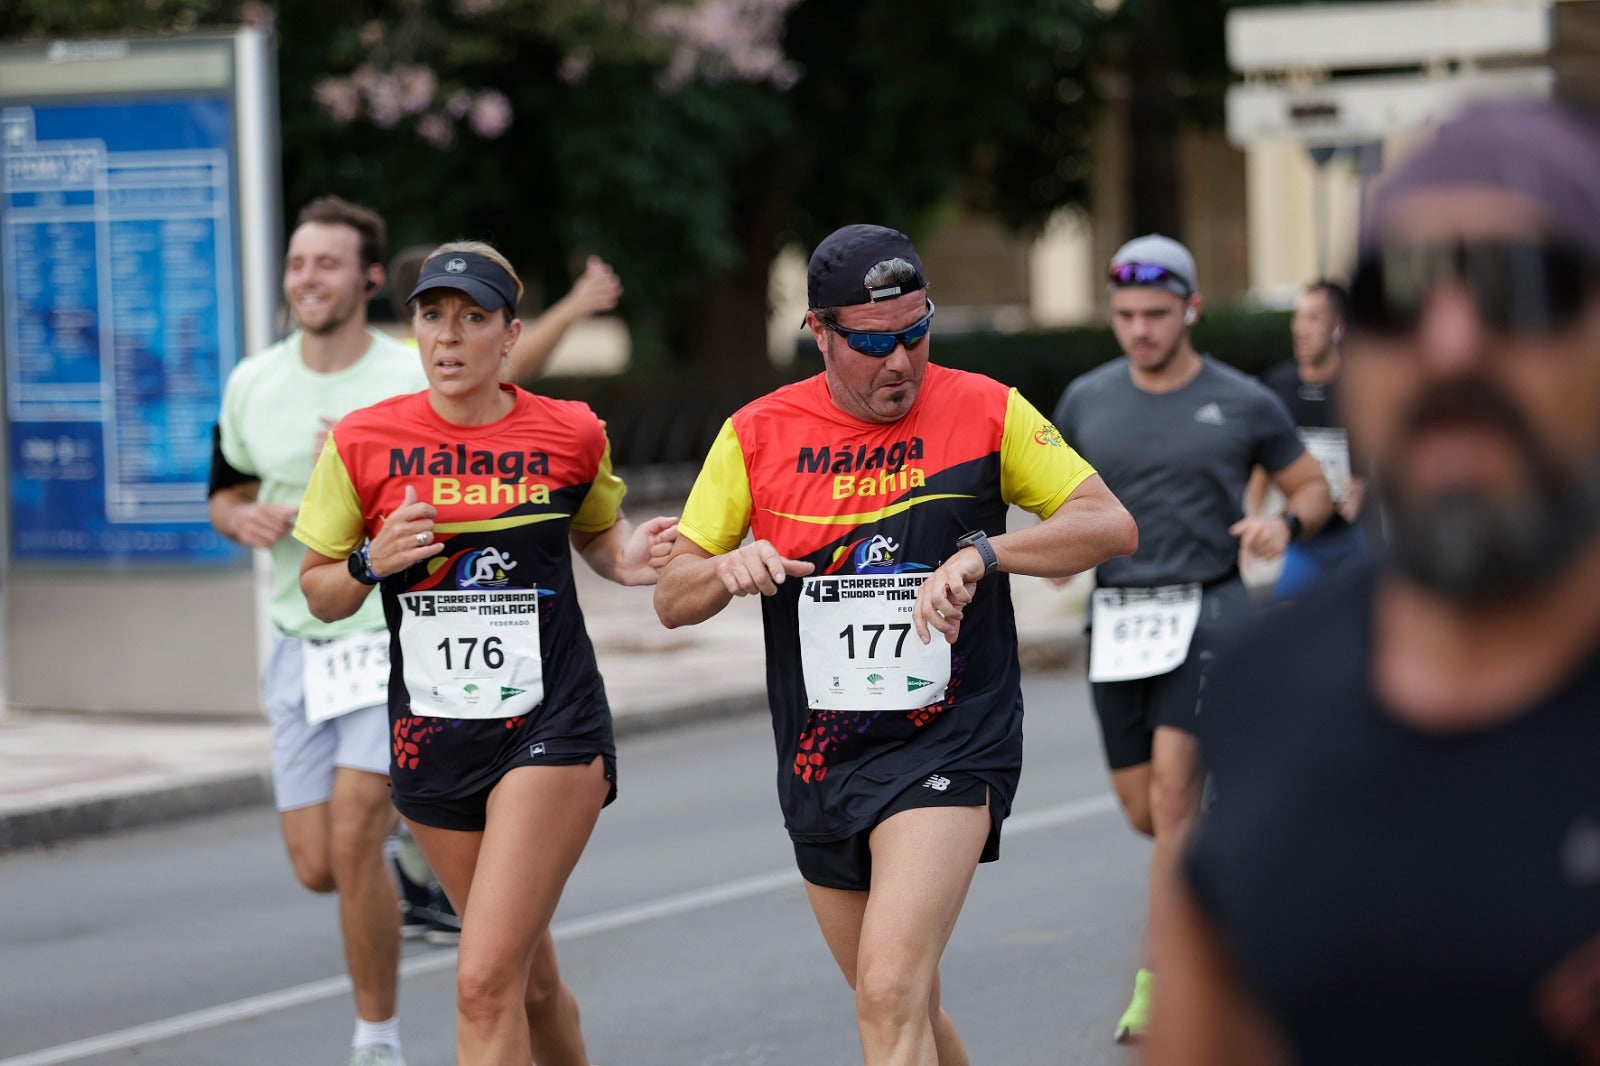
[[345, 674]]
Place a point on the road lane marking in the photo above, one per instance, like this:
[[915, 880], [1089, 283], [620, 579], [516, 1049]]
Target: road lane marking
[[573, 929]]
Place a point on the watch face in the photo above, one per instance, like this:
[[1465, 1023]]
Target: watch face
[[359, 568]]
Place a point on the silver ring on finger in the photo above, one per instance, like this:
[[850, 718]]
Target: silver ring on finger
[[422, 538]]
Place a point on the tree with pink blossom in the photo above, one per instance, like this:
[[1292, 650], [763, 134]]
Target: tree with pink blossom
[[685, 141]]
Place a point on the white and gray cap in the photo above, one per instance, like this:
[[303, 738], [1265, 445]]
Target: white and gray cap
[[1174, 265]]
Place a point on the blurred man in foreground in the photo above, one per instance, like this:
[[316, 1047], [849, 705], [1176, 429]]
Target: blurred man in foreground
[[1407, 869]]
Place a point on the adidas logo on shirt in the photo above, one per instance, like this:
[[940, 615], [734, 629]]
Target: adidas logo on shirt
[[1211, 415]]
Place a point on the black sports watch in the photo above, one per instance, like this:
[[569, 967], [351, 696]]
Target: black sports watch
[[980, 540], [1292, 520], [360, 566]]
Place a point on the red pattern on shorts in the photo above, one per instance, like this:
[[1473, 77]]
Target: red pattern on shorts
[[410, 736]]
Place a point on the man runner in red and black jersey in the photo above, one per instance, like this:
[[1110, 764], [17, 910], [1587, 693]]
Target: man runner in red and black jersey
[[876, 493]]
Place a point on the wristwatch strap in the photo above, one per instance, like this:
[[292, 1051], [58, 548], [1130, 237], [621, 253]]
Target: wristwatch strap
[[980, 540]]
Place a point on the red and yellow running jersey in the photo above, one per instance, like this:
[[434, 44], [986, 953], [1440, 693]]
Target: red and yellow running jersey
[[862, 498], [508, 494]]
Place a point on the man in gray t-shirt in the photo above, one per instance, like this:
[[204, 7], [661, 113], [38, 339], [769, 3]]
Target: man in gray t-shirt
[[1175, 435]]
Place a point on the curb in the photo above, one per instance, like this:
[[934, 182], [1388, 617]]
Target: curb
[[728, 705], [92, 816], [56, 823]]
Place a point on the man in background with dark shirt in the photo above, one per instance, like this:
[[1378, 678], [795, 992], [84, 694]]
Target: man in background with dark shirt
[[1309, 385], [1406, 868]]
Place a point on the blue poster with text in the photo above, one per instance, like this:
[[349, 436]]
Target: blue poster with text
[[121, 308]]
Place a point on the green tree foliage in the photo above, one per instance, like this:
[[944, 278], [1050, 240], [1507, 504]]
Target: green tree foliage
[[50, 18], [897, 113], [684, 140]]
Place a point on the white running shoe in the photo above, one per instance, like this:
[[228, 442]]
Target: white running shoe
[[376, 1055]]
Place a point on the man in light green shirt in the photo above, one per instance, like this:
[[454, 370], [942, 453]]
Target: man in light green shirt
[[325, 685]]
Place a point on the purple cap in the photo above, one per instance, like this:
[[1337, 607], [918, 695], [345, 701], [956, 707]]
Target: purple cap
[[1547, 152]]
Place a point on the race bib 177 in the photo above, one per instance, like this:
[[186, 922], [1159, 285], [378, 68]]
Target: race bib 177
[[858, 649]]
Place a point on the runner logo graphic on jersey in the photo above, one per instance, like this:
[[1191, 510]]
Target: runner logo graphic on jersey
[[876, 554], [1211, 415], [484, 568]]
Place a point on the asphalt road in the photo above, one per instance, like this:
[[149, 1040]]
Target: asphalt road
[[685, 932]]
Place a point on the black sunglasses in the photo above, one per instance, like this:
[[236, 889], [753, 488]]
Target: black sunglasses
[[875, 343], [1521, 288]]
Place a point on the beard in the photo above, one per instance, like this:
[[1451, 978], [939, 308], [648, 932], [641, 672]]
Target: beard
[[336, 320], [1162, 360], [333, 315], [1478, 550]]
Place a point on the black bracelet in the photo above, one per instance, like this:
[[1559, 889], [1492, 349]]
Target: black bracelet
[[1292, 520]]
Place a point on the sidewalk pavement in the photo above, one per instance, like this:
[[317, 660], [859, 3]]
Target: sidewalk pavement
[[74, 774]]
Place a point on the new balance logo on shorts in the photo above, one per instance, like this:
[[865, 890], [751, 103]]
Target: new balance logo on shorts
[[937, 783]]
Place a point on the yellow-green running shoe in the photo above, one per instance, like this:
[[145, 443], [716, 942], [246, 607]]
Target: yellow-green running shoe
[[1136, 1019]]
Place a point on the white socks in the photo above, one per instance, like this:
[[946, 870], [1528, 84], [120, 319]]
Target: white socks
[[377, 1033]]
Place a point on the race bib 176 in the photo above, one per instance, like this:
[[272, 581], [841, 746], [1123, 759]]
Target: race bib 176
[[472, 654]]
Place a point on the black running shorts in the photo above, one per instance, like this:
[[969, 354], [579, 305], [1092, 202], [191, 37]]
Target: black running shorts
[[1130, 711], [469, 814], [847, 864]]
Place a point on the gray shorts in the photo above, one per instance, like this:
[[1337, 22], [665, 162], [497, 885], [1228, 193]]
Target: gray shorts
[[303, 755]]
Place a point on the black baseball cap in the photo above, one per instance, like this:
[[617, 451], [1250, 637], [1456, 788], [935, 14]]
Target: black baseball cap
[[480, 277], [837, 274]]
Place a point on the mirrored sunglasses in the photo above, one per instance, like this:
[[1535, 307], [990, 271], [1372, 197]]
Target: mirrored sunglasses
[[1144, 274], [871, 342]]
